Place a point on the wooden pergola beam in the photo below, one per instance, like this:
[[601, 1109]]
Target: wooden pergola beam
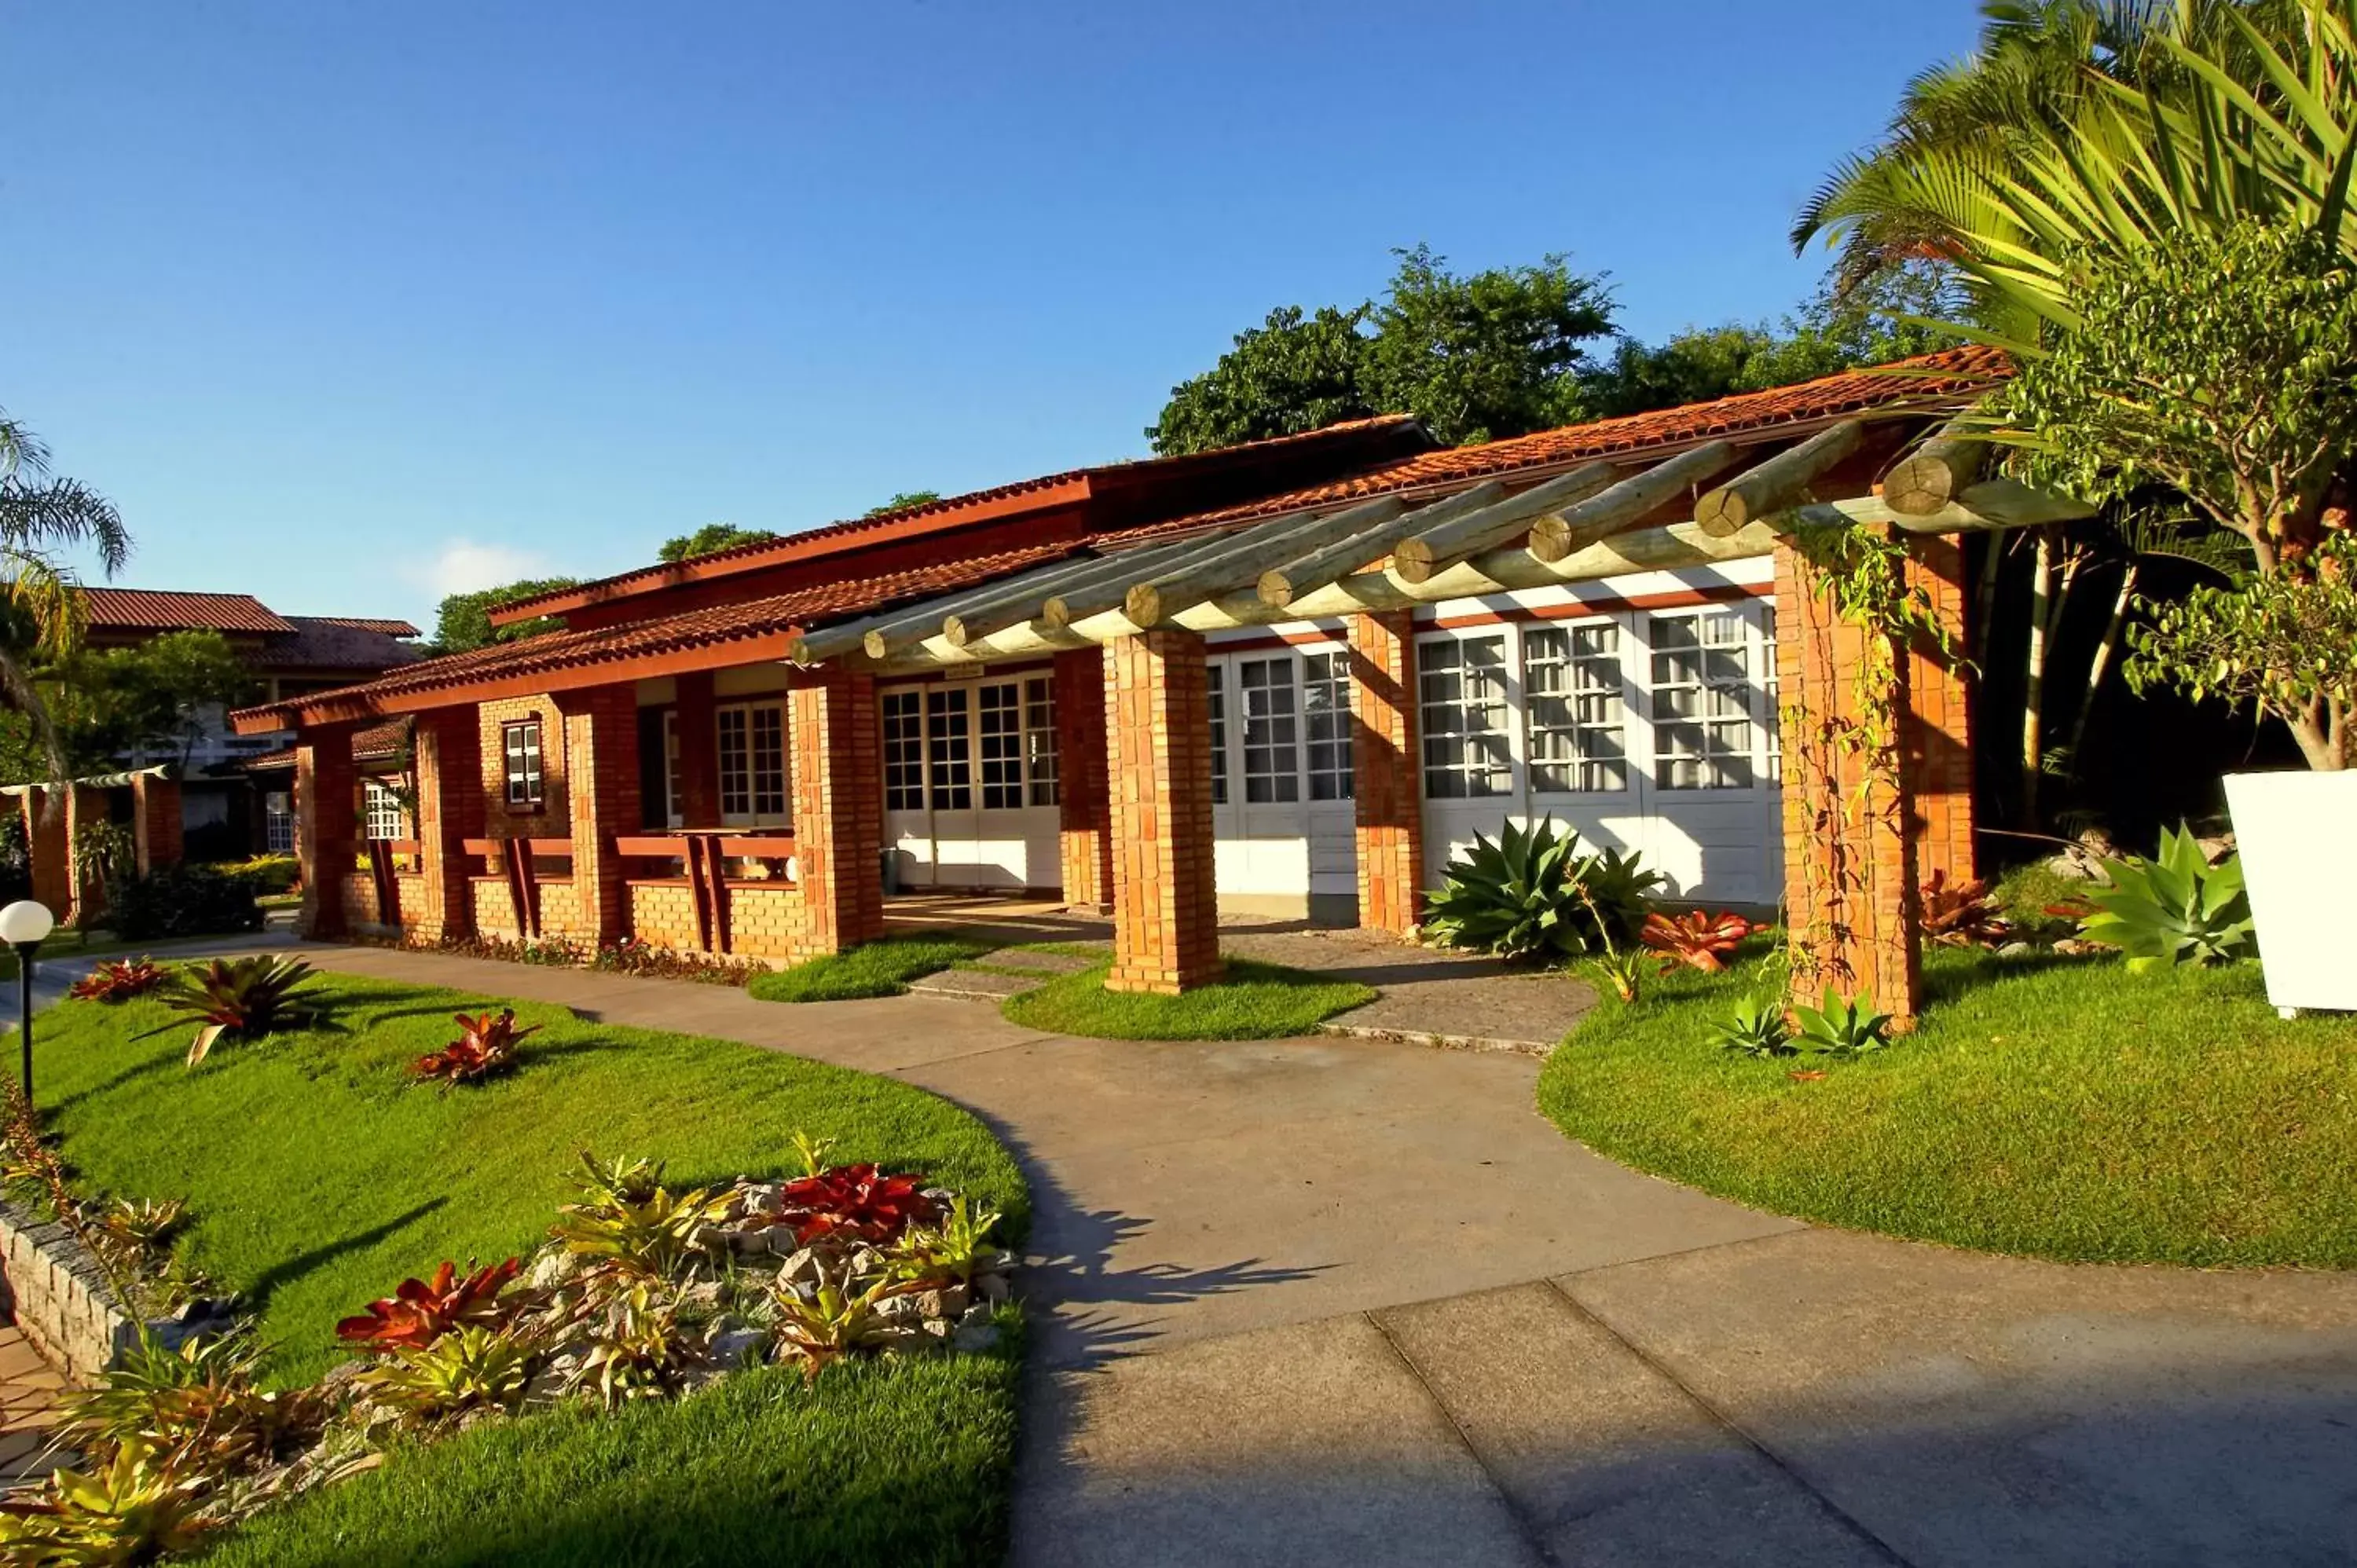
[[1277, 585], [1224, 562], [1778, 483], [1417, 558], [1936, 474], [1018, 599], [1555, 538]]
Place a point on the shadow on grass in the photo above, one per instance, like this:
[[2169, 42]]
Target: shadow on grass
[[107, 1086], [258, 1293]]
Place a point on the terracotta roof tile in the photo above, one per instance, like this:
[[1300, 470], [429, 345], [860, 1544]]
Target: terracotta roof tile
[[156, 609], [1938, 379], [365, 623], [803, 608]]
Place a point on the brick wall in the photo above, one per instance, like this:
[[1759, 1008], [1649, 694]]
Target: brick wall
[[45, 832], [326, 826], [500, 819], [1939, 732], [359, 900], [663, 912], [156, 826], [1166, 897], [601, 745], [1387, 773], [770, 919], [1850, 860], [838, 793], [1084, 810], [55, 1293], [448, 745], [486, 896]]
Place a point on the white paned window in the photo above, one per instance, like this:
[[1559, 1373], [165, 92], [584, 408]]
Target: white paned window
[[1271, 730], [672, 787], [1772, 720], [1462, 681], [1002, 745], [1578, 721], [278, 822], [1039, 738], [1326, 723], [1703, 696], [385, 819], [752, 737], [1216, 698], [526, 785], [904, 751], [948, 748]]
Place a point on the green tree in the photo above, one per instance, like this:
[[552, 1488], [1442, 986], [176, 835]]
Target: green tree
[[166, 693], [710, 538], [42, 612], [464, 622], [1475, 358], [902, 501]]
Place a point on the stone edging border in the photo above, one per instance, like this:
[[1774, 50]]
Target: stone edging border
[[59, 1297]]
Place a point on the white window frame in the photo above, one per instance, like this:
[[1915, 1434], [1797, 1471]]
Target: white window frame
[[526, 766], [1328, 740], [1612, 709], [278, 821], [1042, 750], [1503, 737], [1724, 660], [756, 787], [382, 815], [997, 742], [903, 719]]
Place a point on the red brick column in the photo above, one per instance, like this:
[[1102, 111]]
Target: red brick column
[[1849, 852], [156, 826], [699, 752], [1386, 773], [602, 767], [1939, 732], [1164, 894], [44, 835], [449, 762], [84, 808], [326, 826], [1085, 807], [838, 788]]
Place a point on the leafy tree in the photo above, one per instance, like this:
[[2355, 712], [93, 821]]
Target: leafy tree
[[464, 622], [1476, 358], [903, 500], [710, 537], [41, 609], [165, 692]]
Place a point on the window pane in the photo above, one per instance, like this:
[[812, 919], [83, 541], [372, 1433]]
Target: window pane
[[1462, 681], [1705, 710], [520, 742], [1002, 745], [1326, 723], [949, 750], [904, 752], [1040, 758], [736, 764], [1571, 676], [1216, 695], [769, 761], [1271, 730]]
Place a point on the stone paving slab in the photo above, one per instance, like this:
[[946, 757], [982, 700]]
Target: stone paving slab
[[1430, 996], [974, 985]]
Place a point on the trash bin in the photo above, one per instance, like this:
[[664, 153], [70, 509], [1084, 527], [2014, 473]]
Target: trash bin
[[887, 867]]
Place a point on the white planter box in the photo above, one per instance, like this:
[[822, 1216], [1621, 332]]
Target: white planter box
[[2297, 836]]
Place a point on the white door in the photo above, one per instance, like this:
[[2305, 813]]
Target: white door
[[1281, 812], [970, 785]]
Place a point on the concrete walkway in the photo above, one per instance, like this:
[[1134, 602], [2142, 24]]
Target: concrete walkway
[[1354, 1302]]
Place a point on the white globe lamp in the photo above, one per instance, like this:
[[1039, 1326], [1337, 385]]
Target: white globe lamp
[[25, 926]]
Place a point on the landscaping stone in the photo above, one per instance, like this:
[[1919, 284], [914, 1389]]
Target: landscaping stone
[[733, 1349], [972, 985]]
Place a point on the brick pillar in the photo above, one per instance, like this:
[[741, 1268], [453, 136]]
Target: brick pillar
[[1849, 853], [601, 777], [1386, 773], [327, 826], [448, 749], [1165, 896], [155, 827], [85, 808], [1939, 732], [699, 752], [44, 835], [1085, 808], [838, 788]]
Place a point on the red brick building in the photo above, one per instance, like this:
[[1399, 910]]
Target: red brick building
[[1290, 676]]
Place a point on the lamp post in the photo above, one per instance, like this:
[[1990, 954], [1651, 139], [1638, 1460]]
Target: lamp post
[[25, 926]]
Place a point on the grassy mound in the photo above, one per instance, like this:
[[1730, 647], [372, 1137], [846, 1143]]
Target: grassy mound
[[878, 969], [2059, 1109], [1253, 1002]]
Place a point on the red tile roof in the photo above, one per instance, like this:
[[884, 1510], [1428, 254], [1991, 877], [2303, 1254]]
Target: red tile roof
[[156, 609], [1941, 378], [1389, 431], [364, 623], [373, 743], [448, 679]]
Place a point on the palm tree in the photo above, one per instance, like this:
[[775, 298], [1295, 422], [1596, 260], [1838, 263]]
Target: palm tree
[[40, 516]]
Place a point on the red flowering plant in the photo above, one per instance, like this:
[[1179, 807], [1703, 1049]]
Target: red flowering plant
[[487, 1045], [1963, 914], [855, 1202], [1697, 941], [421, 1311], [120, 981]]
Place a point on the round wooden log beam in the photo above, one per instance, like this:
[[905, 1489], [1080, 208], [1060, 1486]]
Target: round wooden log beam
[[1777, 483], [1627, 503], [1935, 476]]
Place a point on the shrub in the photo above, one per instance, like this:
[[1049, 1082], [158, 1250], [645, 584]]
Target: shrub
[[956, 1248], [2174, 909], [120, 981], [629, 1221], [1964, 915], [1698, 940], [655, 962], [246, 997], [181, 901], [485, 1045], [1839, 1028], [855, 1202], [268, 875], [471, 1368], [1756, 1028], [635, 1349], [1531, 894], [419, 1311], [1620, 973]]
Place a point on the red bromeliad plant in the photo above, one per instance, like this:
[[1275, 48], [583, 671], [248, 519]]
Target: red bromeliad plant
[[421, 1311], [1700, 941], [120, 981], [487, 1045], [1964, 915], [855, 1202]]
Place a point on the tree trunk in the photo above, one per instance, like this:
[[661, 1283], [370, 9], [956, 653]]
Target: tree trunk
[[2105, 651], [2033, 691], [2322, 737]]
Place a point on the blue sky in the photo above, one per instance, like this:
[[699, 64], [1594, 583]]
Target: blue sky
[[350, 305]]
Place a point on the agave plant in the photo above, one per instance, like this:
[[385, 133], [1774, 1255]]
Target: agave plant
[[419, 1311], [2177, 909], [1697, 941], [485, 1045], [120, 980], [1755, 1027], [1841, 1028], [1962, 915], [1531, 894], [246, 997]]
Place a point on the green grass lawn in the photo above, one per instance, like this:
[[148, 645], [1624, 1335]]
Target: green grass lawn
[[2059, 1109], [877, 969], [1253, 1002], [318, 1179]]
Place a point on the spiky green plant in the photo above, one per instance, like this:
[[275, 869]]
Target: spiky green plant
[[1755, 1027], [1532, 894], [1841, 1028], [2176, 909], [243, 998]]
